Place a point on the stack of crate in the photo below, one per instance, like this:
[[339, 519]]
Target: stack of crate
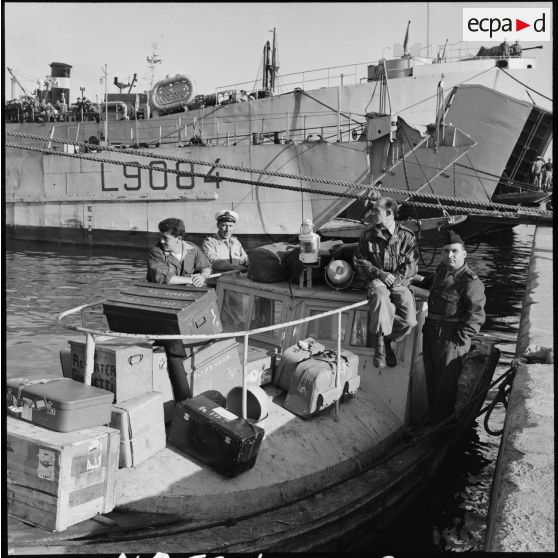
[[61, 459], [136, 374], [194, 366]]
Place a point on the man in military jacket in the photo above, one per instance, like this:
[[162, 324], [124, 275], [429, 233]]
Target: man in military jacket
[[386, 255], [223, 250], [455, 316]]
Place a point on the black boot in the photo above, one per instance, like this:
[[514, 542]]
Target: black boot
[[391, 359], [379, 360]]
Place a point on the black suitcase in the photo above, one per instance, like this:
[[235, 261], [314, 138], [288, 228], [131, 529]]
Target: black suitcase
[[215, 436]]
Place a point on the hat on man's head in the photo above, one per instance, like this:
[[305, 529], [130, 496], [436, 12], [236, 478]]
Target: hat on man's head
[[453, 238], [226, 215]]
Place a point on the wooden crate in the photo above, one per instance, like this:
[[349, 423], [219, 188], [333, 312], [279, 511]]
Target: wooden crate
[[126, 369], [58, 479], [161, 381], [142, 428], [160, 309]]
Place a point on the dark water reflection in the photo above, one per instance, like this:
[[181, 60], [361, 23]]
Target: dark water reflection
[[43, 281]]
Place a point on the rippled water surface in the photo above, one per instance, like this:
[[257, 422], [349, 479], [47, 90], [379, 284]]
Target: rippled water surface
[[42, 281]]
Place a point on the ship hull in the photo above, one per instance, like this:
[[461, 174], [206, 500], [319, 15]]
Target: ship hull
[[76, 201]]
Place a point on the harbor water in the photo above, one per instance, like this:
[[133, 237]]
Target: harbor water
[[43, 280]]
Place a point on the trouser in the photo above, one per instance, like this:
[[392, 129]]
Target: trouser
[[443, 363], [392, 312], [548, 181], [537, 180]]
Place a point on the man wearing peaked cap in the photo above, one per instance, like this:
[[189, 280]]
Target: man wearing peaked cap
[[226, 215], [223, 250], [455, 316]]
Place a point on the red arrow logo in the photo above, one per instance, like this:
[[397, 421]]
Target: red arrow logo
[[519, 25]]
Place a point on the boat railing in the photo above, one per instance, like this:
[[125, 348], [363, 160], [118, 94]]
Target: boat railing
[[221, 131], [91, 333], [320, 77]]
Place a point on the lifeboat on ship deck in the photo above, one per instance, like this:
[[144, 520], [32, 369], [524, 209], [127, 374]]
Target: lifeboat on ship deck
[[173, 92]]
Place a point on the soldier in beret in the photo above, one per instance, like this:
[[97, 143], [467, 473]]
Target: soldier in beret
[[223, 250], [386, 256], [455, 316]]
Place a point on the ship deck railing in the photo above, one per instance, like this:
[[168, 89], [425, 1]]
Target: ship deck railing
[[355, 73]]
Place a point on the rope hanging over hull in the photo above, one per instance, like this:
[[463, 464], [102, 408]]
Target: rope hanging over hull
[[453, 204]]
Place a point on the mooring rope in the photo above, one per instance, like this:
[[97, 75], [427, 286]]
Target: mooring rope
[[502, 396], [459, 204]]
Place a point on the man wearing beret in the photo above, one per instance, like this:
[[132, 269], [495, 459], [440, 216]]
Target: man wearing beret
[[223, 250], [386, 256], [455, 316]]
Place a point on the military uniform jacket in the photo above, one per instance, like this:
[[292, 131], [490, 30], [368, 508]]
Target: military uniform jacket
[[457, 298], [394, 253], [162, 266]]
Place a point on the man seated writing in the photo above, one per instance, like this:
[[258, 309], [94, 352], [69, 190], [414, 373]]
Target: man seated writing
[[175, 261]]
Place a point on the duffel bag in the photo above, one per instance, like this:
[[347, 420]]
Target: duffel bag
[[268, 263]]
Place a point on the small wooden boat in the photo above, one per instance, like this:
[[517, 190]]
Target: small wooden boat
[[351, 228], [314, 480], [526, 197]]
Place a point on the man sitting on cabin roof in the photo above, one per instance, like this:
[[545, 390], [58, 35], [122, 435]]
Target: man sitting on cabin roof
[[386, 255], [223, 250], [455, 316], [175, 261]]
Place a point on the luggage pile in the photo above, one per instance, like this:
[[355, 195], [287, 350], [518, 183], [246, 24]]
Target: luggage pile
[[138, 388]]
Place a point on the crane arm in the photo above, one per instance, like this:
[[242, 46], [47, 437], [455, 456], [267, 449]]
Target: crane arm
[[17, 80]]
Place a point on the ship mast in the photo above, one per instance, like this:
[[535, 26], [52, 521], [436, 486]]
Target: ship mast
[[151, 62], [270, 68]]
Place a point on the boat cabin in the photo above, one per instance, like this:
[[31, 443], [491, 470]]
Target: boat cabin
[[249, 305]]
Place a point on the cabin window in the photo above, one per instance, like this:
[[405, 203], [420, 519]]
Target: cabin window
[[235, 310], [359, 333], [325, 329], [266, 312]]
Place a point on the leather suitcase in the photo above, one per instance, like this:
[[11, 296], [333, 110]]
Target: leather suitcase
[[58, 479], [61, 404], [215, 436], [161, 309], [212, 366], [125, 368], [312, 388], [260, 364], [142, 428], [287, 362]]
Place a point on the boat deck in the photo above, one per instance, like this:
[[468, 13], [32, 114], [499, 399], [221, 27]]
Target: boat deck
[[296, 457]]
